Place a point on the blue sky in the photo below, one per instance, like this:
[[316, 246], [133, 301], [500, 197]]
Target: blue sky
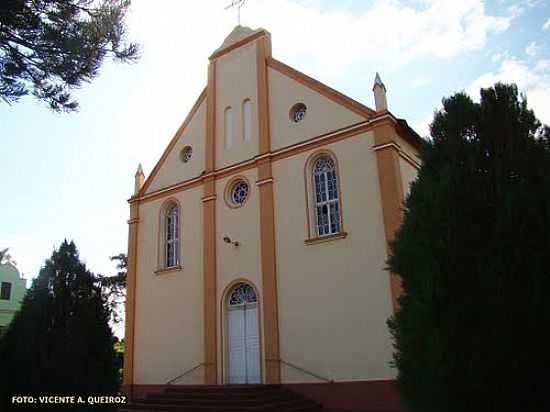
[[69, 175]]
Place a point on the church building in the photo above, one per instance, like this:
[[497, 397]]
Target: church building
[[257, 244]]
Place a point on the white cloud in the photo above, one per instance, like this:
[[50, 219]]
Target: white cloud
[[546, 25], [422, 127], [532, 49], [533, 80], [496, 57], [517, 9]]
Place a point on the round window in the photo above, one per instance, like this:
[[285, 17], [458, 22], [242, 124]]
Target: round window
[[186, 153], [239, 192], [298, 112]]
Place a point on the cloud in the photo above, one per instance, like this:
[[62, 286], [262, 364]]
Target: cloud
[[532, 80], [441, 29], [496, 57], [546, 25], [422, 126], [518, 9], [532, 49]]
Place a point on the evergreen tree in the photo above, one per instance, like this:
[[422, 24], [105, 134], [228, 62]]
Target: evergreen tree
[[60, 342], [51, 46], [472, 252]]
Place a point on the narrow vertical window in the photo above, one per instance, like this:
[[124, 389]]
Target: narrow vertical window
[[327, 207], [247, 120], [228, 127], [171, 236]]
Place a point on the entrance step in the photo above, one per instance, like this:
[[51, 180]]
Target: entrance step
[[224, 398]]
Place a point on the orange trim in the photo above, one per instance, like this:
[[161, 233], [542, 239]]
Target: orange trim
[[263, 97], [170, 269], [171, 144], [283, 153], [328, 238], [209, 236], [391, 191], [219, 53], [269, 282], [210, 158], [321, 88], [129, 335], [267, 223], [223, 320]]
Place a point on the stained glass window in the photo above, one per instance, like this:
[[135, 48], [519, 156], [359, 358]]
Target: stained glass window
[[298, 112], [239, 192], [186, 154], [171, 236], [242, 294], [327, 208]]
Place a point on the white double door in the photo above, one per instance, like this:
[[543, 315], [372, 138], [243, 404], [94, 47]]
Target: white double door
[[244, 344]]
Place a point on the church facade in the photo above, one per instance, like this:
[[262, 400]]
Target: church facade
[[257, 244]]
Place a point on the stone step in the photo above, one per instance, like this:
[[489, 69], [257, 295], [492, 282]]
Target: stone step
[[222, 388], [227, 398], [216, 405]]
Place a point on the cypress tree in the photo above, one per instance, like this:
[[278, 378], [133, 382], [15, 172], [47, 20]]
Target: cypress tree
[[59, 343], [472, 252]]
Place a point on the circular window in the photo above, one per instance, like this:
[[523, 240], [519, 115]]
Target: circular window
[[186, 153], [239, 192], [298, 112], [236, 192]]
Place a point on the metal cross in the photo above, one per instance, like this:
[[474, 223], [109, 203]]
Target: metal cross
[[238, 4]]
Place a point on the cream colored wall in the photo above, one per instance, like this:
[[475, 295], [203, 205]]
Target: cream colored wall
[[408, 175], [173, 169], [408, 149], [322, 116], [236, 81], [334, 297], [169, 306], [408, 171], [241, 225]]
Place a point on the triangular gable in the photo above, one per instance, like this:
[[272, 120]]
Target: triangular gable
[[322, 88], [171, 145], [327, 109]]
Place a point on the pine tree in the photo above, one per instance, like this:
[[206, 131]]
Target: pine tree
[[472, 252], [49, 47], [60, 341]]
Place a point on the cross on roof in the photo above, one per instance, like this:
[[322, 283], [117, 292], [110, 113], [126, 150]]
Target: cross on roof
[[237, 4]]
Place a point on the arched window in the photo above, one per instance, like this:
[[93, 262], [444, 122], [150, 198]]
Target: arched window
[[325, 196], [242, 294], [171, 236], [247, 120], [228, 127]]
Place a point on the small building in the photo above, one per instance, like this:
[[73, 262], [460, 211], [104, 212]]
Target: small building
[[12, 291], [258, 243]]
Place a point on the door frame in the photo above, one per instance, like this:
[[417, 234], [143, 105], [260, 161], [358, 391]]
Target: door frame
[[224, 341]]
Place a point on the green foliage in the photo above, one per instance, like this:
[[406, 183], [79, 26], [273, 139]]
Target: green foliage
[[5, 257], [60, 341], [53, 46], [114, 287], [472, 254], [119, 353]]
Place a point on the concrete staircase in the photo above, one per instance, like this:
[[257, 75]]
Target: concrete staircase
[[224, 398]]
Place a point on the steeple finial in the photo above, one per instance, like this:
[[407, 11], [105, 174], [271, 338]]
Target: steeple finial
[[379, 94], [139, 179]]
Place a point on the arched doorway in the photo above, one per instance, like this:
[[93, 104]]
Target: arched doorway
[[243, 337]]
